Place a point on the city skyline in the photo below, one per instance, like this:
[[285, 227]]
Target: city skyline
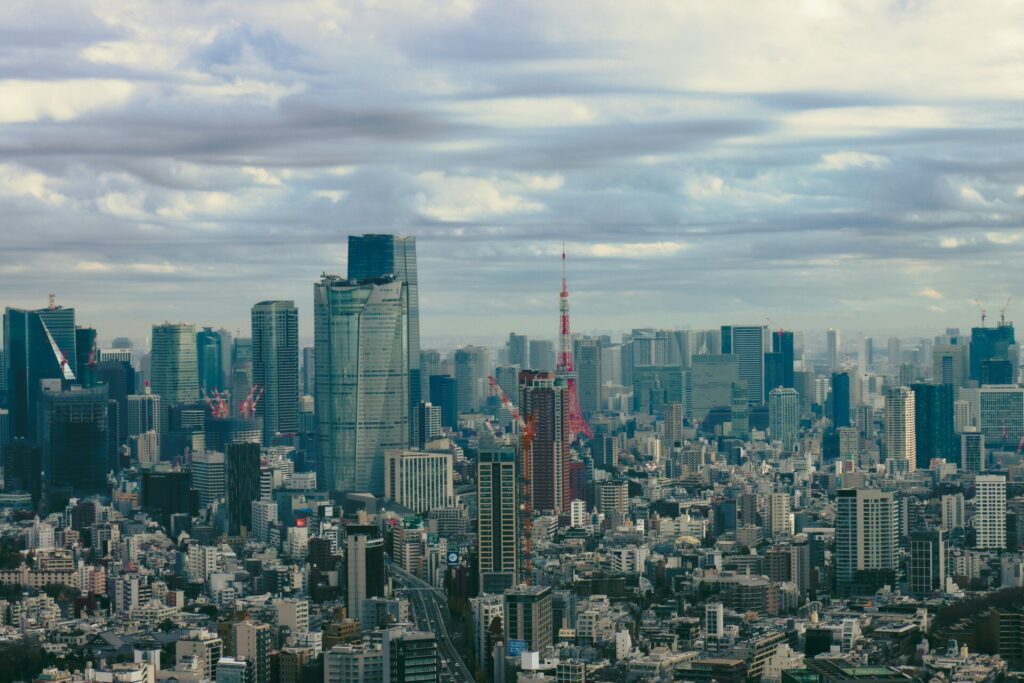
[[234, 151]]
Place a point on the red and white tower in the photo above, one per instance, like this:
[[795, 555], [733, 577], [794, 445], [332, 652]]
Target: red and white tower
[[566, 368]]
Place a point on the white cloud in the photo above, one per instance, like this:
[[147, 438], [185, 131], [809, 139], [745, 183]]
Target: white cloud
[[633, 249], [936, 309], [164, 268], [92, 267], [334, 196], [267, 91], [930, 293], [21, 182], [839, 161], [971, 195], [704, 186], [26, 101], [952, 242], [1002, 237], [464, 198]]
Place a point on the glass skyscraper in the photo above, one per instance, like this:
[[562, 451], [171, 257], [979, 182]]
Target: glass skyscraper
[[174, 368], [376, 256], [275, 366], [362, 379], [37, 345]]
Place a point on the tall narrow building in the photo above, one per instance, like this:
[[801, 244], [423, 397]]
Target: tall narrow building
[[747, 343], [900, 431], [587, 355], [362, 385], [866, 541], [174, 369], [378, 256], [210, 360], [364, 568], [242, 485], [784, 416], [834, 348], [275, 366], [469, 377], [496, 519], [542, 397], [935, 434], [990, 511], [518, 350]]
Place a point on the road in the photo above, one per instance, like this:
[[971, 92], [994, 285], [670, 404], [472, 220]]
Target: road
[[430, 607]]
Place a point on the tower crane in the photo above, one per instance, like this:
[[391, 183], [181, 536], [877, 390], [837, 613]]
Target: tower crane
[[1002, 312], [982, 309]]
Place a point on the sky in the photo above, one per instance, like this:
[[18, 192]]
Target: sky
[[850, 164]]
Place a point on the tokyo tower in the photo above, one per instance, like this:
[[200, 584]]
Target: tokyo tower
[[566, 368]]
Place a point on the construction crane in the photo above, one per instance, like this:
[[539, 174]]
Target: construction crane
[[982, 309], [248, 405], [527, 430], [1002, 312]]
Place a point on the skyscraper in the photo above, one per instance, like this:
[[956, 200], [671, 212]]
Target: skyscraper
[[378, 256], [496, 519], [210, 360], [747, 343], [784, 416], [542, 398], [275, 366], [934, 434], [518, 350], [308, 370], [1001, 415], [990, 343], [900, 431], [542, 355], [840, 399], [362, 379], [834, 348], [78, 442], [241, 484], [950, 364], [174, 369], [865, 542], [444, 393], [782, 342], [713, 377], [469, 377], [38, 345], [990, 511], [587, 354]]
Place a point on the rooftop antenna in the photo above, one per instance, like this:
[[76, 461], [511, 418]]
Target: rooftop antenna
[[53, 301]]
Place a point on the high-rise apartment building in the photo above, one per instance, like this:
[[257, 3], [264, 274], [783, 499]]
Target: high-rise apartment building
[[208, 477], [497, 523], [972, 450], [203, 646], [990, 511], [444, 393], [784, 416], [782, 343], [275, 366], [865, 541], [362, 380], [174, 369], [380, 256], [143, 413], [954, 511], [543, 399], [900, 431]]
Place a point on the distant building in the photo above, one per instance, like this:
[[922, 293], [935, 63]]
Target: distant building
[[497, 521], [275, 366]]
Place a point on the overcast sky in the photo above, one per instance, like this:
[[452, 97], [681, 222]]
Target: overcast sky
[[854, 164]]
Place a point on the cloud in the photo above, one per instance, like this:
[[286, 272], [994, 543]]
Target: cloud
[[952, 242], [462, 198], [929, 293], [634, 250], [92, 267], [24, 101], [840, 161], [18, 181], [1004, 238]]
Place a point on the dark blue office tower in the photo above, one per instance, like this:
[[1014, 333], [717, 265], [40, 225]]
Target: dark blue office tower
[[782, 342], [373, 256], [840, 400], [444, 392], [990, 343], [934, 430], [38, 345]]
